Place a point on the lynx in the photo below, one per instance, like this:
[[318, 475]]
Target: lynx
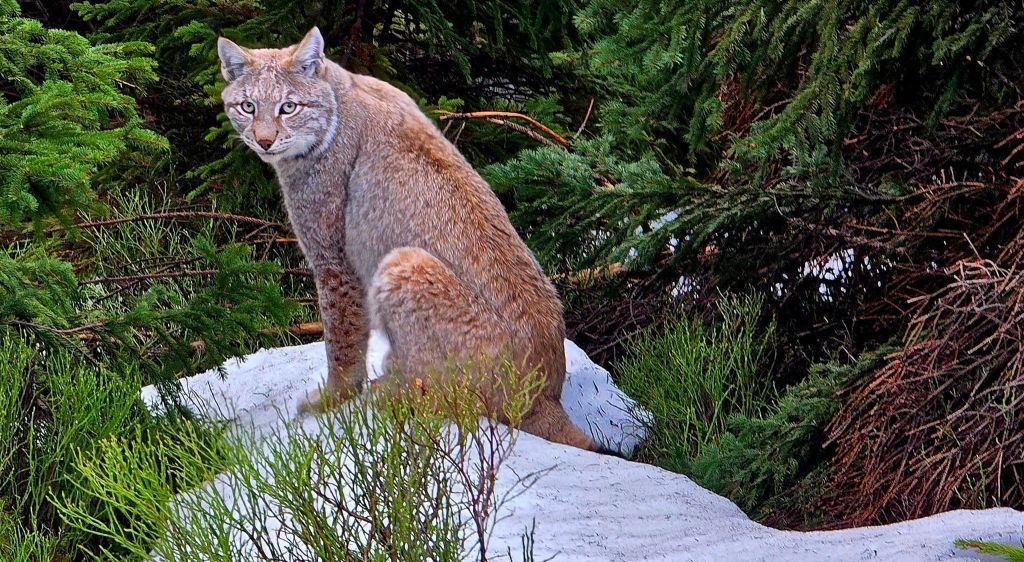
[[398, 227]]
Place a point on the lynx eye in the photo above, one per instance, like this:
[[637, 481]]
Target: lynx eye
[[248, 107], [288, 107]]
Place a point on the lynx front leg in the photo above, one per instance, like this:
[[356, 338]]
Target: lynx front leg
[[340, 297]]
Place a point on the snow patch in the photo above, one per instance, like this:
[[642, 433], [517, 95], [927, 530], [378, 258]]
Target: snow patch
[[593, 507]]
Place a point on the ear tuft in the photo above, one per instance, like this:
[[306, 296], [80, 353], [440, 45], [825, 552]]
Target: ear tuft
[[309, 54], [233, 59]]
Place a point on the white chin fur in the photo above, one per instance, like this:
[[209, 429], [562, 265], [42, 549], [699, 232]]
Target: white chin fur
[[270, 158], [276, 156]]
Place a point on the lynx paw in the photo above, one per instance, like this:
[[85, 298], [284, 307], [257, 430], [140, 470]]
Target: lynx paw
[[312, 403], [324, 400]]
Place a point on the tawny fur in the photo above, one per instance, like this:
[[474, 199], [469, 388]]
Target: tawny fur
[[397, 227]]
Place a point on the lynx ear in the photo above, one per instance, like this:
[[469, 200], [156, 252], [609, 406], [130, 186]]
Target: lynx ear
[[233, 59], [309, 54]]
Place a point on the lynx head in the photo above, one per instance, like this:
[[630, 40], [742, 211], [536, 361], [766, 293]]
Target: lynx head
[[278, 99]]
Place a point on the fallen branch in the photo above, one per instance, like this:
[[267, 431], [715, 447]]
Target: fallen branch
[[305, 329], [81, 331], [176, 275], [174, 215]]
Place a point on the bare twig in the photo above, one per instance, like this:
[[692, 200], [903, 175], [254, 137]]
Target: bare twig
[[177, 275], [502, 115], [521, 130], [586, 118], [173, 215]]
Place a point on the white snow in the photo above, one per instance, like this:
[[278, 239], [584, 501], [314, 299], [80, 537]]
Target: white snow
[[261, 385], [593, 507]]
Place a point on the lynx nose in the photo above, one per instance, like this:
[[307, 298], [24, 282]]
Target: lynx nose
[[265, 144]]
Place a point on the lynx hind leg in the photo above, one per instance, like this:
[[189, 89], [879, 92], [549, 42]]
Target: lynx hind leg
[[430, 316], [427, 313]]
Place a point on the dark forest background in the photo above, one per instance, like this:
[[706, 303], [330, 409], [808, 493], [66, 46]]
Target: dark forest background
[[792, 230]]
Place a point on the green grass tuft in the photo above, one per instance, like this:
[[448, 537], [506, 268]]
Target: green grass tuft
[[1004, 551], [692, 376]]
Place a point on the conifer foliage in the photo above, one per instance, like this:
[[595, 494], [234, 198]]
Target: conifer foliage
[[733, 121], [465, 52], [96, 299], [63, 114]]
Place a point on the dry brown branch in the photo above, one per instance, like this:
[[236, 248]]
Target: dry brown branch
[[591, 275], [521, 130], [504, 115], [303, 329], [80, 331], [500, 118], [586, 118], [176, 275], [173, 216], [88, 332], [938, 427], [307, 329]]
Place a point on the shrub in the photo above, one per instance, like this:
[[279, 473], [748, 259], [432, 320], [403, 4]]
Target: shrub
[[760, 459], [403, 476], [938, 425]]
